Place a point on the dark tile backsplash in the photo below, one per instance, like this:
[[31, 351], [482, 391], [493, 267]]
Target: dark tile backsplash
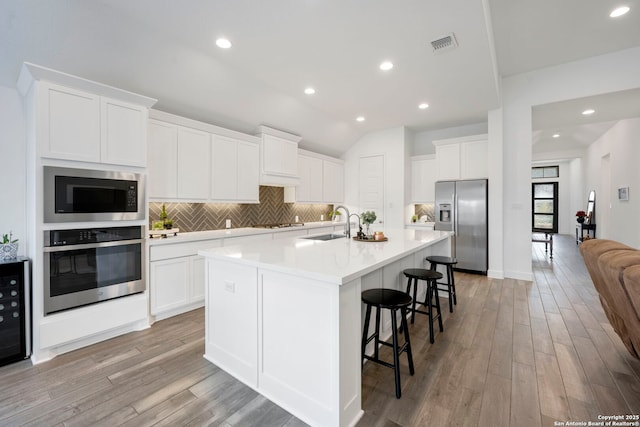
[[212, 216]]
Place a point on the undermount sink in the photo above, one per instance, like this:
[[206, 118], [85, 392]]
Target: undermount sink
[[325, 237]]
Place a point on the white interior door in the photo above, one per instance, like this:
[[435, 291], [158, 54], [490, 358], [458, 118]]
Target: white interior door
[[371, 186]]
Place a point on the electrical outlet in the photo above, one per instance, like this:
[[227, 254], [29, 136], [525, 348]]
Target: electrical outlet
[[228, 223]]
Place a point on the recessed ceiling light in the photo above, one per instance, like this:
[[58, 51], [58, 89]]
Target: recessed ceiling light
[[423, 106], [588, 112], [309, 91], [555, 135], [360, 119], [386, 65], [619, 11], [223, 43]]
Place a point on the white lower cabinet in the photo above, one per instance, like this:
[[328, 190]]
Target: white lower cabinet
[[196, 291], [169, 285], [177, 277]]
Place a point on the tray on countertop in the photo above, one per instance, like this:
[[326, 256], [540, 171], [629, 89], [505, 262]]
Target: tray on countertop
[[163, 233], [384, 239]]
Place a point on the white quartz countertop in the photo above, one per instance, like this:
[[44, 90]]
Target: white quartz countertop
[[337, 261], [195, 236]]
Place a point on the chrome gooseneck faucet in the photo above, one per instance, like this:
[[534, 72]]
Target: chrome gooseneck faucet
[[347, 226], [359, 234]]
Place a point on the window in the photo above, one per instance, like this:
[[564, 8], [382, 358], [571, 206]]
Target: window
[[545, 207], [545, 172]]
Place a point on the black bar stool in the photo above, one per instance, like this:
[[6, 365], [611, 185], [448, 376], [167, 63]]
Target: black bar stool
[[394, 301], [436, 260], [431, 277]]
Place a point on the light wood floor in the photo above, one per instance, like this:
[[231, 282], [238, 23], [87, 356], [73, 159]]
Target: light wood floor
[[512, 353]]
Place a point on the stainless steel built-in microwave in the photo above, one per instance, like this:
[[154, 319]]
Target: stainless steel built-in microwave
[[76, 195]]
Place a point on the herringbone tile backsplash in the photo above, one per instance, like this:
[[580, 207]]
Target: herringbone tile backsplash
[[426, 209], [212, 216]]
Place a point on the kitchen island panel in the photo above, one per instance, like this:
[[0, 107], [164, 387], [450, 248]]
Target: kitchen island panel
[[300, 340], [231, 339]]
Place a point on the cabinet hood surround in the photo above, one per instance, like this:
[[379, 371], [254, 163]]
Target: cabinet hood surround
[[278, 157]]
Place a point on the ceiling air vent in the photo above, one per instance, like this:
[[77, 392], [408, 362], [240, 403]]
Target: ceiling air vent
[[444, 43]]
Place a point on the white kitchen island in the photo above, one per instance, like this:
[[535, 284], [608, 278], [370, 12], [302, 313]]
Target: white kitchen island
[[284, 316]]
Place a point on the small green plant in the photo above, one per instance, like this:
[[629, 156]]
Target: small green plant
[[8, 238], [157, 225], [368, 217], [164, 218], [334, 213], [414, 218], [163, 213]]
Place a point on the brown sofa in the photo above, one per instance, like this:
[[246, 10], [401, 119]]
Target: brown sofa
[[615, 271]]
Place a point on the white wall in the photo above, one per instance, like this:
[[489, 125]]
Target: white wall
[[578, 195], [621, 143], [422, 141], [13, 166], [496, 193], [602, 74], [392, 143]]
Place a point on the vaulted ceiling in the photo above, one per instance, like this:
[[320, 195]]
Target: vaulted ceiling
[[167, 50]]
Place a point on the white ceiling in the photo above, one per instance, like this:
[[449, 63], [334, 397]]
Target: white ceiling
[[576, 130], [166, 50]]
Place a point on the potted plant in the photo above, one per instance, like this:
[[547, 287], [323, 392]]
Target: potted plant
[[367, 218], [414, 218], [335, 215], [8, 247], [581, 216], [167, 223]]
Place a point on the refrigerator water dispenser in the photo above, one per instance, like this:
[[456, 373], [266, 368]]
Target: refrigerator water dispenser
[[445, 213]]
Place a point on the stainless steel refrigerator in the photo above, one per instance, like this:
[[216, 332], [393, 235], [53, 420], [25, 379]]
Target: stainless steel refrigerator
[[461, 207]]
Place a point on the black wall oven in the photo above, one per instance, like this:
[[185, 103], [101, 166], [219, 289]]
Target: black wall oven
[[75, 195], [89, 265]]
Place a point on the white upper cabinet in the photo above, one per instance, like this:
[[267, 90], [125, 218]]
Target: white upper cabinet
[[474, 156], [71, 124], [424, 171], [123, 133], [162, 157], [188, 162], [235, 170], [321, 180], [310, 189], [278, 157], [462, 158], [194, 163], [81, 120], [448, 157], [224, 168], [179, 162], [333, 181], [248, 167]]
